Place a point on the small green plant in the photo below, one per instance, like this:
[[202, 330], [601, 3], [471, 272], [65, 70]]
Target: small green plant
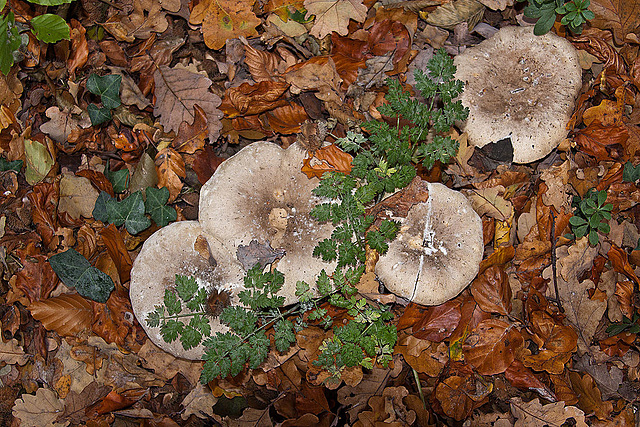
[[48, 28], [383, 162], [627, 325], [575, 13], [591, 215]]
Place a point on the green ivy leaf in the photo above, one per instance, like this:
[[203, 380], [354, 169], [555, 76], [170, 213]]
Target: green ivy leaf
[[76, 271], [98, 115], [155, 206], [50, 28], [107, 87], [119, 179], [129, 212]]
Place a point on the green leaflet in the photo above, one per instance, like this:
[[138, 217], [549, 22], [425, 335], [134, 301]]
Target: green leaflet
[[15, 165], [76, 271], [50, 28], [10, 40], [119, 179]]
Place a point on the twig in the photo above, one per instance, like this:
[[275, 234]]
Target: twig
[[554, 261]]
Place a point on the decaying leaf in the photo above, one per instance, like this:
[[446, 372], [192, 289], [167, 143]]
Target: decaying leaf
[[224, 20], [534, 414], [327, 159], [177, 93], [492, 346], [334, 15], [492, 291], [619, 15], [255, 252], [39, 410]]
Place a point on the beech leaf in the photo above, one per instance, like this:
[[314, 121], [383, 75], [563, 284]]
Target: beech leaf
[[67, 314], [76, 271]]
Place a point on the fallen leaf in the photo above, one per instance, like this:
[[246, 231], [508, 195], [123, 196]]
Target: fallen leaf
[[589, 397], [77, 196], [252, 417], [318, 73], [191, 136], [439, 322], [63, 122], [38, 411], [171, 168], [67, 314], [533, 414], [327, 159], [582, 311], [117, 251], [75, 403], [491, 347], [36, 279], [12, 353], [460, 395], [450, 14], [255, 252], [224, 20], [492, 291], [621, 16], [38, 161], [177, 92], [264, 65], [147, 17], [198, 402], [248, 99], [520, 376], [287, 119], [333, 15], [388, 408], [595, 138]]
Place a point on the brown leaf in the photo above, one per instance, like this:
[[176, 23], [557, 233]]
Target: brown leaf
[[594, 41], [460, 392], [553, 414], [624, 294], [247, 99], [492, 291], [113, 321], [388, 409], [589, 396], [205, 163], [327, 159], [191, 136], [318, 73], [596, 138], [76, 403], [389, 36], [439, 322], [170, 166], [36, 279], [620, 262], [254, 253], [117, 251], [224, 21], [621, 16], [98, 180], [422, 355], [262, 65], [44, 200], [287, 119], [522, 377], [79, 47], [67, 314], [177, 92], [492, 346]]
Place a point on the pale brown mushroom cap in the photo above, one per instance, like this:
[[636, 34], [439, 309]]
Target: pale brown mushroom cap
[[519, 86], [438, 250], [170, 251], [260, 193]]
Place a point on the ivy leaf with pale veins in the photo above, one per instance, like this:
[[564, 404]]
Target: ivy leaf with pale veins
[[129, 212], [156, 206], [254, 253], [76, 271], [177, 93]]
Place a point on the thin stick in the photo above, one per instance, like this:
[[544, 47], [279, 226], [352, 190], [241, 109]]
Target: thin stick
[[554, 260]]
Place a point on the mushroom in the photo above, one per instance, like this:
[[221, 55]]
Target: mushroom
[[521, 87], [438, 250], [181, 248], [261, 194]]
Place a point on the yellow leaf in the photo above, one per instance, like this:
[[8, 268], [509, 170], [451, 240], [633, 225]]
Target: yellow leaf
[[222, 20]]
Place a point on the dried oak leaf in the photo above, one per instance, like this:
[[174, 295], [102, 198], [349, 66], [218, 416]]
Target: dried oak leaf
[[79, 47], [63, 122], [166, 365], [492, 291], [589, 396], [11, 353], [318, 73], [251, 417], [223, 20], [422, 355], [255, 252], [177, 92], [327, 159], [621, 16], [334, 15], [491, 347], [389, 409], [39, 410], [533, 414], [583, 311], [67, 314], [76, 403]]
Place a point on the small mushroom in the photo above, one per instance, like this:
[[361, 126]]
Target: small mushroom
[[181, 248], [261, 194], [438, 250], [521, 87]]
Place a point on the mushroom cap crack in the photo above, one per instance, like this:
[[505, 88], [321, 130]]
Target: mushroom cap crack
[[438, 250]]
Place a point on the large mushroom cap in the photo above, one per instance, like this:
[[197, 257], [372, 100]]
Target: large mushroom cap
[[438, 250], [519, 86], [261, 194], [172, 250]]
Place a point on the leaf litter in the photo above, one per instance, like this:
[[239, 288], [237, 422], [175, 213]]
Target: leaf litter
[[507, 351]]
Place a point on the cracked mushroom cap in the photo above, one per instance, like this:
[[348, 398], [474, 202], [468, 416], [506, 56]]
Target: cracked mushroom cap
[[438, 250], [522, 87], [181, 248], [261, 194]]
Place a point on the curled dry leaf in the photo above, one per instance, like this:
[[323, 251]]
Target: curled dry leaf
[[263, 65], [520, 376], [36, 279], [327, 159], [492, 291], [287, 119], [191, 136], [171, 167], [492, 346], [556, 344], [461, 392], [66, 314], [117, 251], [597, 140], [247, 99]]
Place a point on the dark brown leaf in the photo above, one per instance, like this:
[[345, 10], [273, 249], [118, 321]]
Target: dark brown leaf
[[254, 253], [492, 346], [439, 322], [492, 291]]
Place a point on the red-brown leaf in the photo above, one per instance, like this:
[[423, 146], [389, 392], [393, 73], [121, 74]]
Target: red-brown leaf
[[191, 136], [492, 346], [492, 292], [327, 159], [117, 251], [439, 322], [67, 314], [595, 139]]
